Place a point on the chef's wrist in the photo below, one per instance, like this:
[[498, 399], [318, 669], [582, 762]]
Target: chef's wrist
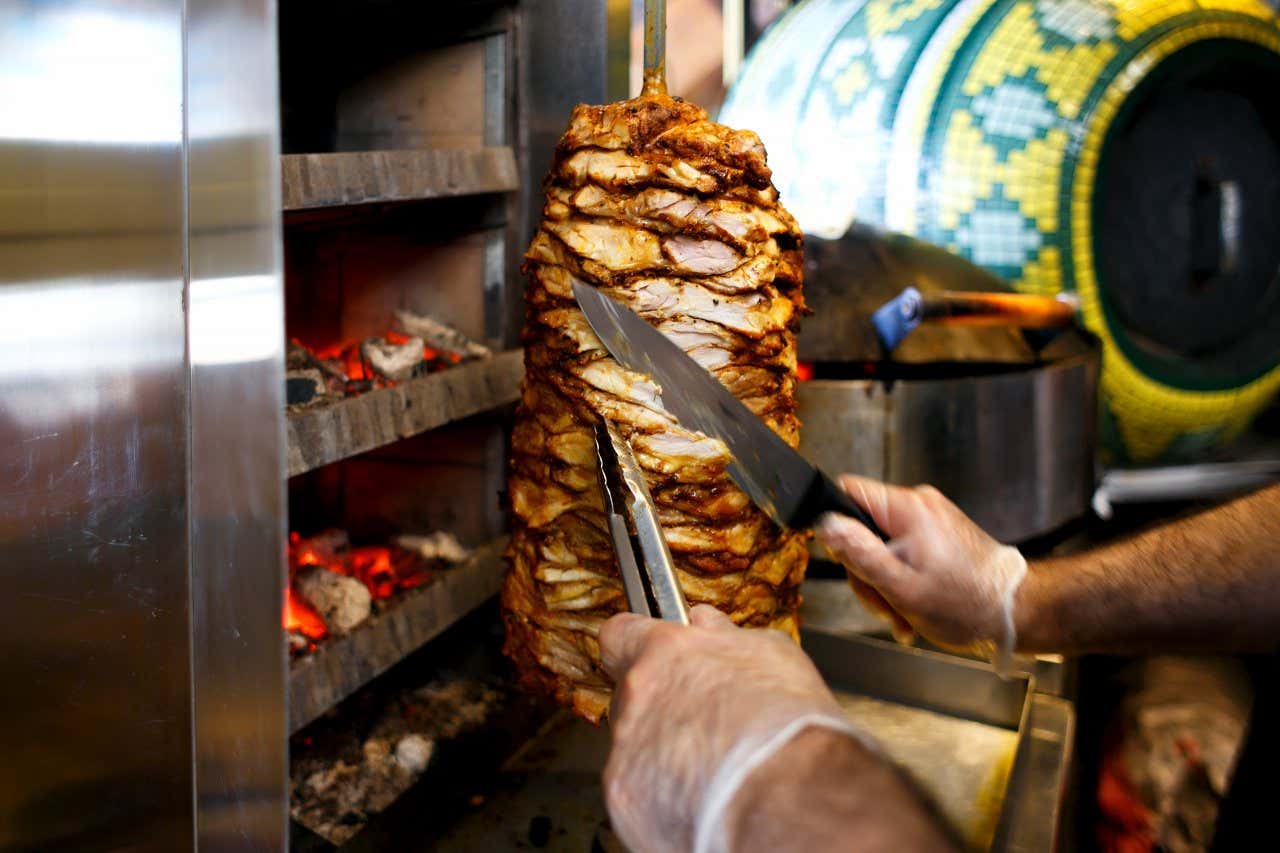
[[826, 789], [1036, 611], [775, 801]]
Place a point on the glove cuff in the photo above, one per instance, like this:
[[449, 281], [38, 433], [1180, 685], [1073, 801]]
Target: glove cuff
[[1014, 570], [750, 753]]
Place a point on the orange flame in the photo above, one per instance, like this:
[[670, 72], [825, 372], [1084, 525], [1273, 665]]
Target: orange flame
[[347, 354], [302, 617], [302, 552], [804, 371], [386, 571], [383, 570]]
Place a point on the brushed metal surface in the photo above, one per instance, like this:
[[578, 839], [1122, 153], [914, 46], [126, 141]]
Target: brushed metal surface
[[236, 469], [1037, 789], [565, 52], [936, 681], [1013, 450], [96, 720], [141, 450]]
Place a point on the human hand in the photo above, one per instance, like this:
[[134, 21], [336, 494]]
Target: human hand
[[695, 710], [940, 575]]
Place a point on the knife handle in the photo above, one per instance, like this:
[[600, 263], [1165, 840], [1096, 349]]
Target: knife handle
[[825, 496]]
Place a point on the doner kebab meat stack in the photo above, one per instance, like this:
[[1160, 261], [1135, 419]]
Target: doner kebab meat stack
[[676, 216]]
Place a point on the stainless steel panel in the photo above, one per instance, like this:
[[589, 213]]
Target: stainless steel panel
[[498, 284], [1038, 781], [1014, 450], [950, 685], [141, 463], [1017, 448], [844, 425], [237, 473], [961, 770], [565, 54], [496, 100], [830, 606], [95, 725]]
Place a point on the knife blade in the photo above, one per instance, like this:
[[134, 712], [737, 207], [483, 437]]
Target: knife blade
[[785, 485]]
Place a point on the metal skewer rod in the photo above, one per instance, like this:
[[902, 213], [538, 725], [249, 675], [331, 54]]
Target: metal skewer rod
[[655, 47]]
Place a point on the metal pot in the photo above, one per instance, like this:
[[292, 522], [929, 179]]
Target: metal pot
[[1013, 448]]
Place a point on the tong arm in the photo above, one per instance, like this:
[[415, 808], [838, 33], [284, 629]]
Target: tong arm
[[648, 571]]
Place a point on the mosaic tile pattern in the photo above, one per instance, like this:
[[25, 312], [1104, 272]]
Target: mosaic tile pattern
[[977, 125]]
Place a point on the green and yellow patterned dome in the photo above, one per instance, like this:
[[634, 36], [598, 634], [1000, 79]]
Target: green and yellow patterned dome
[[1129, 151]]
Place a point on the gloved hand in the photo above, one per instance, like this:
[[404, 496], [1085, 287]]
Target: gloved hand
[[695, 710], [940, 575]]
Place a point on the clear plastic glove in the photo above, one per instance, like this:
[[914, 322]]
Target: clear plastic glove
[[695, 710], [940, 575]]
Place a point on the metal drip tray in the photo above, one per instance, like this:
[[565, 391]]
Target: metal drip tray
[[992, 753]]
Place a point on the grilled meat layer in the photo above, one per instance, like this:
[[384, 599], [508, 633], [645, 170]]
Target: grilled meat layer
[[676, 216]]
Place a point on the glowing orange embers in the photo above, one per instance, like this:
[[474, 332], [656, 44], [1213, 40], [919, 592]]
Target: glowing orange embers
[[302, 618], [319, 372], [386, 571], [356, 367], [336, 601]]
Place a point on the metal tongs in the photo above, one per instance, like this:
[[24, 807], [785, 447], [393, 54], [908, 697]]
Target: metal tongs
[[648, 572]]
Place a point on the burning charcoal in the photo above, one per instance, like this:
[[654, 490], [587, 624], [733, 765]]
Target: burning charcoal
[[396, 362], [385, 571], [298, 643], [303, 386], [358, 386], [298, 357], [413, 753], [301, 618], [343, 601], [440, 545], [326, 548], [441, 336], [335, 376]]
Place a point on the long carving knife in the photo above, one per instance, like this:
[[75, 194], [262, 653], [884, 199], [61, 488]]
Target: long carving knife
[[789, 488]]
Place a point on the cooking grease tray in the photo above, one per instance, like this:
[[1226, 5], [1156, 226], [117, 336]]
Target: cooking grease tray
[[991, 752]]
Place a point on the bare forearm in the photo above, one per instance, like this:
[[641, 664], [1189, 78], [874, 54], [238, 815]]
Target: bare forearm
[[825, 791], [1209, 582]]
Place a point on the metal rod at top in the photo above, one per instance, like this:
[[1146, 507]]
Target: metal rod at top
[[655, 47]]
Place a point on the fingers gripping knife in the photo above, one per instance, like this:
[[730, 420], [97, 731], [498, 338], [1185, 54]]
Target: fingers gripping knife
[[648, 572]]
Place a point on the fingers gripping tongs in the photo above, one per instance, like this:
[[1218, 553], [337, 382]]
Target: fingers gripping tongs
[[648, 572]]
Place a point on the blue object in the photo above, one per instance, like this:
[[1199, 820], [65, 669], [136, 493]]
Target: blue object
[[895, 319]]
